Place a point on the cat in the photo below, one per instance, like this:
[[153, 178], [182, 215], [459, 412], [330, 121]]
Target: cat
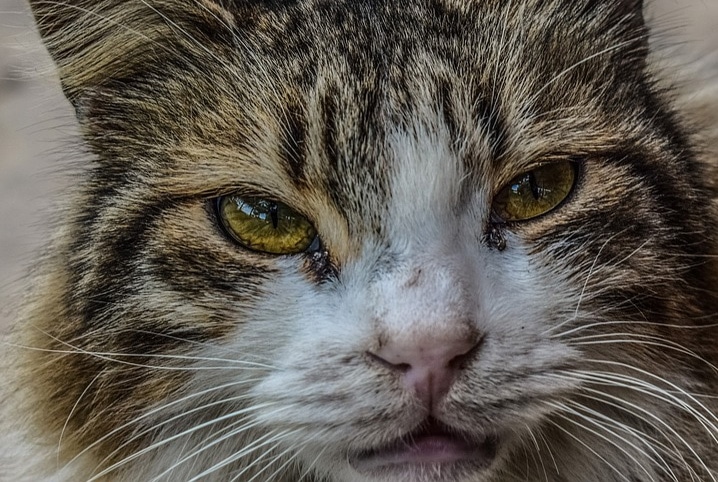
[[372, 241]]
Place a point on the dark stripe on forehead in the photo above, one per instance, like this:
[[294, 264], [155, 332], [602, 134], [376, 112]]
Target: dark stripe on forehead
[[353, 136], [486, 109], [329, 117], [331, 146], [445, 91], [293, 148]]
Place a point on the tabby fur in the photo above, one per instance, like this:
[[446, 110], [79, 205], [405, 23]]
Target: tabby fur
[[152, 346]]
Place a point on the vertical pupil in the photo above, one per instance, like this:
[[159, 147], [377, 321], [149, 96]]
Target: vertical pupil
[[534, 186]]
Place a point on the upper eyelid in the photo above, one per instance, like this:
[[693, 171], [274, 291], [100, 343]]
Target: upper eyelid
[[505, 180]]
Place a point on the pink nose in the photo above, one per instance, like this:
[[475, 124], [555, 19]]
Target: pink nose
[[428, 365]]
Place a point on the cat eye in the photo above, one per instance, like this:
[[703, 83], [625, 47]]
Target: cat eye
[[535, 192], [265, 226]]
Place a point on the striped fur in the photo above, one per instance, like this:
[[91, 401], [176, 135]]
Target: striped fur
[[160, 350]]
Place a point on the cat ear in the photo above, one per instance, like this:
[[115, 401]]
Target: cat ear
[[95, 41], [87, 40]]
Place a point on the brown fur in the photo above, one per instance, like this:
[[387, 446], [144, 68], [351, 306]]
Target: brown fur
[[183, 102]]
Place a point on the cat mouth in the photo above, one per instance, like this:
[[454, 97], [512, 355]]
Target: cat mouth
[[432, 444]]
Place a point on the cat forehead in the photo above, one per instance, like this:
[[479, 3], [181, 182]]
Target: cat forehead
[[317, 93], [125, 38]]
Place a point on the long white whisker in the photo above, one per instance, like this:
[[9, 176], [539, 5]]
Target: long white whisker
[[163, 408], [643, 340], [72, 412], [662, 380], [254, 446], [612, 379], [647, 417], [116, 357], [568, 70], [109, 20], [564, 408], [214, 440], [567, 432], [585, 283], [631, 322], [642, 436], [177, 436], [271, 462], [538, 452], [310, 467]]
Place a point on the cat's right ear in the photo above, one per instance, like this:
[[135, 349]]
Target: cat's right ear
[[95, 43], [89, 40]]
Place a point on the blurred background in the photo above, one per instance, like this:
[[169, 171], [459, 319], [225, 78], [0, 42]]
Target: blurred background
[[37, 127]]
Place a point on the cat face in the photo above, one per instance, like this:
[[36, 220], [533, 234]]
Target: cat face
[[356, 241]]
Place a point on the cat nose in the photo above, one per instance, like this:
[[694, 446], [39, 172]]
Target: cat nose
[[428, 365]]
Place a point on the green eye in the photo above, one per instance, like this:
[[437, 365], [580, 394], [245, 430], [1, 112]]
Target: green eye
[[536, 192], [266, 226]]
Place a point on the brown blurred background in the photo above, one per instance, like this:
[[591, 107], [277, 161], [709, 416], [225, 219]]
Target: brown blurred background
[[37, 128]]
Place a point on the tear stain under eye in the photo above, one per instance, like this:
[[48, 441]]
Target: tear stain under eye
[[321, 267], [495, 238]]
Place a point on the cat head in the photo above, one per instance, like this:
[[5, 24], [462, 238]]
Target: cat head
[[372, 241]]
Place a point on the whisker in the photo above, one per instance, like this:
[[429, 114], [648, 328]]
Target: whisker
[[647, 340], [161, 408], [72, 412], [310, 467], [641, 436], [216, 439], [550, 452], [641, 386], [109, 20], [649, 418], [271, 462], [564, 408], [588, 278], [603, 459], [115, 357], [176, 436], [661, 379], [254, 446], [537, 455], [632, 322], [568, 70]]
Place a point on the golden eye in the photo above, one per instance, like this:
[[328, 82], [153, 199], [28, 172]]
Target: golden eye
[[535, 192], [266, 226]]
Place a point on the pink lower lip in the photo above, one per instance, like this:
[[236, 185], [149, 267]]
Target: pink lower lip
[[427, 449]]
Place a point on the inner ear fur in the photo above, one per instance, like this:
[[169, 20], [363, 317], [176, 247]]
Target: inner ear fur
[[95, 41]]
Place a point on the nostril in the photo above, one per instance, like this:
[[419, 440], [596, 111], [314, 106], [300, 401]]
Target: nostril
[[427, 365], [430, 354], [462, 361], [400, 367]]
